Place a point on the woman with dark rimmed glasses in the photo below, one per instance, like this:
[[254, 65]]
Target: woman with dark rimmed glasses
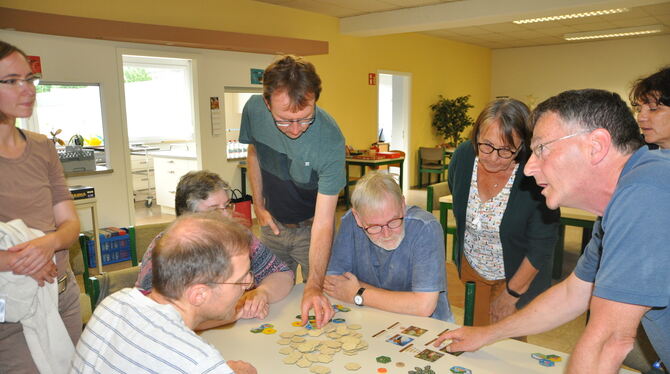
[[506, 234]]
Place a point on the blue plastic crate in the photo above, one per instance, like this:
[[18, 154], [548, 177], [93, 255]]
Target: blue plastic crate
[[113, 249]]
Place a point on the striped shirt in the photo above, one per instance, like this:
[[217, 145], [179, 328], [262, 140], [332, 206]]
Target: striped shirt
[[131, 333]]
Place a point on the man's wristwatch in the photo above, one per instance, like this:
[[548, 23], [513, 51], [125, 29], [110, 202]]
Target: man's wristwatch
[[512, 292], [358, 299]]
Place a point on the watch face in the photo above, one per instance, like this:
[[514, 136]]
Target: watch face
[[358, 300]]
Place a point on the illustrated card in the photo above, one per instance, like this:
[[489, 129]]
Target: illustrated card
[[429, 355], [444, 349], [414, 331], [400, 340]]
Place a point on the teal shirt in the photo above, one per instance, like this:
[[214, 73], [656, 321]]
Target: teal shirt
[[294, 170]]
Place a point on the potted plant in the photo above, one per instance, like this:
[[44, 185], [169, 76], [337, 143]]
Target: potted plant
[[450, 118]]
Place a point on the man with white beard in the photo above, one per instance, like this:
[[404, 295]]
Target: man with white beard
[[389, 256]]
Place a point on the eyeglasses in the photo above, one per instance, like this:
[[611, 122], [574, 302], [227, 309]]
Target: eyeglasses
[[20, 82], [392, 224], [230, 206], [246, 285], [503, 152], [538, 151], [305, 122]]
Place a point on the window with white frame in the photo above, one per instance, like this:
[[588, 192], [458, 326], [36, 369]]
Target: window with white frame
[[159, 99], [73, 108]]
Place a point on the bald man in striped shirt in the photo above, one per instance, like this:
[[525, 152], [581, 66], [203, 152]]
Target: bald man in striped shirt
[[200, 270]]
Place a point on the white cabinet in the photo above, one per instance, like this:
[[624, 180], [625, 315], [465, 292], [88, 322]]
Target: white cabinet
[[142, 171], [168, 170]]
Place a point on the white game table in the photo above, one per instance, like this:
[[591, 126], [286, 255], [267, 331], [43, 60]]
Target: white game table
[[236, 342]]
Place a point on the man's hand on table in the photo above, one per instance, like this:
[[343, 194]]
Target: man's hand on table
[[466, 339], [241, 367], [313, 298], [253, 304], [342, 287]]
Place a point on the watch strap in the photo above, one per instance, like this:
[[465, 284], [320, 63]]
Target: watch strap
[[511, 291]]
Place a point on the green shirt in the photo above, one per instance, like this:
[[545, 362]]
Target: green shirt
[[294, 170]]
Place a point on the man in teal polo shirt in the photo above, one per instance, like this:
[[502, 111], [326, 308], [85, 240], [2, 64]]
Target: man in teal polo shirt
[[296, 169]]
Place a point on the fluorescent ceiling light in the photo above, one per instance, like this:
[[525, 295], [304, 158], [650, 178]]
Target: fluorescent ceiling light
[[573, 15], [614, 33]]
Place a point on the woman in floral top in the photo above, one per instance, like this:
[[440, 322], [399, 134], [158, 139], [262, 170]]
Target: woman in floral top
[[506, 234]]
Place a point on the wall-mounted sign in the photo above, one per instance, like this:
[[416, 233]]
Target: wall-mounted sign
[[372, 79]]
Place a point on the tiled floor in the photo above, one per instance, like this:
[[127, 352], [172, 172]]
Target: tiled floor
[[562, 338]]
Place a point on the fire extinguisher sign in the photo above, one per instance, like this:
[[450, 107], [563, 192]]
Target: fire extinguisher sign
[[372, 79]]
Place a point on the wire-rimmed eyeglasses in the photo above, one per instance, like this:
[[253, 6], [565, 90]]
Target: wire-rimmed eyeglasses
[[20, 82], [538, 150], [247, 285]]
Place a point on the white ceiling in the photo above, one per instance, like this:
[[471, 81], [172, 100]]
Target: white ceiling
[[486, 23]]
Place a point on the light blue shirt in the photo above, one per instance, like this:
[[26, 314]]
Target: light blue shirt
[[628, 257], [417, 265]]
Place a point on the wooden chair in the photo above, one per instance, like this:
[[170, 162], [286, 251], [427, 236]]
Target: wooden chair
[[432, 161]]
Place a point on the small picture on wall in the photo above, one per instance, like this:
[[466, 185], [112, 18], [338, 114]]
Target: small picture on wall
[[257, 76]]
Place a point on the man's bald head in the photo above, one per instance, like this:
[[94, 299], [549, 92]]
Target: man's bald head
[[196, 248]]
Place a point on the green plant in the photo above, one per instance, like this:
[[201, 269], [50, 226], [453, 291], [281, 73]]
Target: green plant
[[450, 117]]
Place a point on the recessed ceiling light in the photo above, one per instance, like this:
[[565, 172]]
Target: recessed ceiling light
[[614, 33], [573, 15]]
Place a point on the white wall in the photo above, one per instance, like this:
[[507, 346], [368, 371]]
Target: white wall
[[85, 60], [533, 74]]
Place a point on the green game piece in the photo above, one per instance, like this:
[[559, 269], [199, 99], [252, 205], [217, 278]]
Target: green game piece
[[383, 359]]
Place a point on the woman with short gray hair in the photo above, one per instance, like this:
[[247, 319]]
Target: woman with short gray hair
[[202, 191]]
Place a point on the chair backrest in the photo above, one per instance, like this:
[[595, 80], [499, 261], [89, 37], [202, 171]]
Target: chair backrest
[[433, 194], [110, 282], [432, 154]]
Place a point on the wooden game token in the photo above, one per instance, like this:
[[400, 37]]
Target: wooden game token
[[298, 339], [325, 358], [318, 369], [286, 350], [354, 326], [286, 335], [283, 342], [303, 363], [352, 366], [292, 358]]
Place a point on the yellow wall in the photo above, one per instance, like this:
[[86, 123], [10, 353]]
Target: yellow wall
[[437, 66]]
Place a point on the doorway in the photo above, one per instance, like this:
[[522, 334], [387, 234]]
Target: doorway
[[393, 116]]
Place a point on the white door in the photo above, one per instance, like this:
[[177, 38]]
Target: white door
[[393, 115]]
